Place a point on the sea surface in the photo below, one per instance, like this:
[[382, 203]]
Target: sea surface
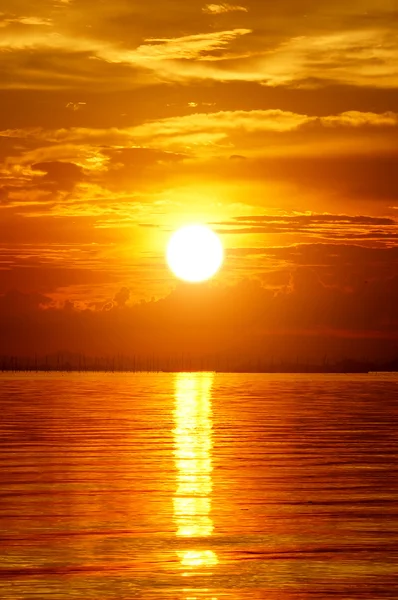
[[195, 486]]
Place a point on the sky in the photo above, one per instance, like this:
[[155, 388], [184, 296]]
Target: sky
[[273, 122]]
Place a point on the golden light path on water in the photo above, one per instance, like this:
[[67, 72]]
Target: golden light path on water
[[193, 455]]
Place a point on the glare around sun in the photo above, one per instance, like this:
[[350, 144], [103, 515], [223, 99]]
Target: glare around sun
[[194, 253]]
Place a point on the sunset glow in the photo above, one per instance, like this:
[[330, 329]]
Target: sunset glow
[[275, 124], [198, 298]]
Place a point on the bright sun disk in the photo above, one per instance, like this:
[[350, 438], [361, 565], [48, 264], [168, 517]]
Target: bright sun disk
[[194, 253]]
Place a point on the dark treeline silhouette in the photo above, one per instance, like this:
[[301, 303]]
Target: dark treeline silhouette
[[65, 361]]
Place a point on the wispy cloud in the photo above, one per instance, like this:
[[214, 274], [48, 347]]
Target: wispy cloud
[[153, 50], [314, 227], [218, 9], [75, 106], [300, 55], [355, 57], [201, 131], [186, 47], [157, 59], [190, 133], [256, 121], [5, 20]]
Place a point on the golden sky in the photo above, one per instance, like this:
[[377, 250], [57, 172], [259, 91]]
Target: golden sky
[[274, 122]]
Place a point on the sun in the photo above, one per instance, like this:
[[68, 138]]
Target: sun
[[194, 253]]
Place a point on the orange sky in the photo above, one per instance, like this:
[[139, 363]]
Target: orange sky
[[276, 123]]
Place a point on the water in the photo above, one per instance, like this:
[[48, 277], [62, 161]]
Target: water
[[198, 486]]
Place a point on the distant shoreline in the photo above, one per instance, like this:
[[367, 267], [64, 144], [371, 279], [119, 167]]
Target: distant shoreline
[[242, 371], [68, 362]]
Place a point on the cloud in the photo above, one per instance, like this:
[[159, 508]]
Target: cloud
[[343, 177], [75, 106], [218, 9], [155, 60], [359, 57], [130, 46], [191, 47], [351, 57], [63, 175], [122, 296], [309, 317], [333, 158], [210, 127], [317, 219], [6, 21], [323, 227], [16, 302], [355, 118]]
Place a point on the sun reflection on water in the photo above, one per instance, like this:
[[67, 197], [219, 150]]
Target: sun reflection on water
[[193, 455]]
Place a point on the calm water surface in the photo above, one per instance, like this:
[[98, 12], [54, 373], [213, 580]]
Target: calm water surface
[[198, 486]]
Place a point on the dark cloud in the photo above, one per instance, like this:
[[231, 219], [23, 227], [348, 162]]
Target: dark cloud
[[325, 254], [345, 266], [18, 303], [45, 277], [325, 226], [304, 318], [370, 177], [122, 296], [317, 219], [137, 168], [63, 175]]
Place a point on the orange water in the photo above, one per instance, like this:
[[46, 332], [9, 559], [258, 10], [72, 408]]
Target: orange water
[[198, 486]]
